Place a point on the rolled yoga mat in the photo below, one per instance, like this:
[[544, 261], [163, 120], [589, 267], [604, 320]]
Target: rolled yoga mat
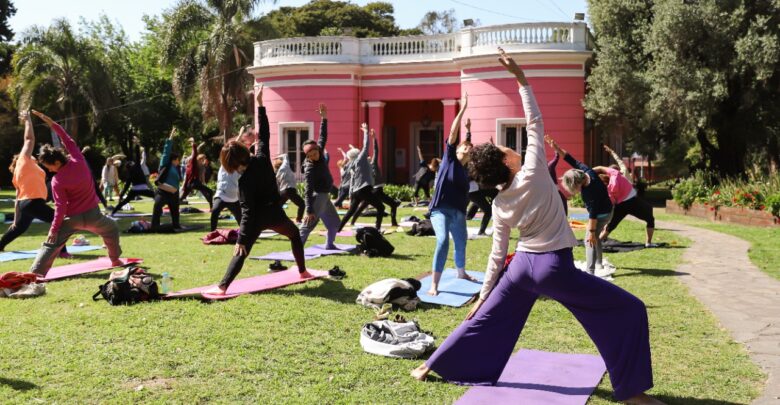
[[251, 284], [311, 252], [453, 291], [533, 377], [30, 254], [77, 269]]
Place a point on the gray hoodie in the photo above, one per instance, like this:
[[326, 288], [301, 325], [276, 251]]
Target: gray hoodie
[[361, 168]]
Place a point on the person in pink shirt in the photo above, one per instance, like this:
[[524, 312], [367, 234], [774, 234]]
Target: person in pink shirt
[[75, 201], [624, 198]]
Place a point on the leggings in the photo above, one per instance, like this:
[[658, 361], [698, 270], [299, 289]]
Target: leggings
[[364, 194], [197, 185], [636, 207], [482, 200], [272, 217], [131, 195], [386, 199], [343, 194], [28, 211], [477, 351], [172, 201], [292, 195], [425, 187], [219, 205]]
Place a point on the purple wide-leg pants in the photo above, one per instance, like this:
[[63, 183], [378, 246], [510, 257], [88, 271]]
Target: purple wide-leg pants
[[477, 351]]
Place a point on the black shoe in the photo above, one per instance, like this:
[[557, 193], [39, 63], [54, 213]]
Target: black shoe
[[276, 266], [336, 273]]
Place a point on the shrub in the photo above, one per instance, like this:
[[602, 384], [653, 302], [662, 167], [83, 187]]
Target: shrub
[[773, 204], [751, 199], [400, 192], [691, 190]]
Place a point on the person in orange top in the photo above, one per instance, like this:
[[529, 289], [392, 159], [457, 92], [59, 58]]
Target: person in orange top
[[30, 183]]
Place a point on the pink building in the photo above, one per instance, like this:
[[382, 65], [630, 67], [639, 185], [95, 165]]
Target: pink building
[[408, 89]]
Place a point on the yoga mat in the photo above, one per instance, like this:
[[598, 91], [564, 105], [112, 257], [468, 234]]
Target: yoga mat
[[453, 291], [129, 215], [104, 263], [30, 254], [579, 217], [347, 233], [35, 221], [267, 234], [309, 253], [251, 284], [474, 230], [533, 377]]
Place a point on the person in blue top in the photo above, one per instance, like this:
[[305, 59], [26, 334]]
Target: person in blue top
[[168, 180], [448, 205], [583, 179]]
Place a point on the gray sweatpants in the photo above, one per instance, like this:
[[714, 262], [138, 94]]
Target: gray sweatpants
[[91, 221], [593, 254], [323, 209]]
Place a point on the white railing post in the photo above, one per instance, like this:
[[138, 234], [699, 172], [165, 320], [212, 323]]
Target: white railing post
[[579, 33], [466, 41]]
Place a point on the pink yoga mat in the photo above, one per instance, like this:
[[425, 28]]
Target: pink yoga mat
[[533, 377], [104, 263], [251, 284]]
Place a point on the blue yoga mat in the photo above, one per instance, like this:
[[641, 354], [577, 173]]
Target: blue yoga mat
[[453, 291], [579, 217], [30, 254]]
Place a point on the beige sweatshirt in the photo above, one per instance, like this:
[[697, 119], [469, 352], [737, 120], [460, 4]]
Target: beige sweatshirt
[[530, 203]]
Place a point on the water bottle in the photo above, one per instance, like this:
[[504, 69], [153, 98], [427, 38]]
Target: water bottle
[[166, 283]]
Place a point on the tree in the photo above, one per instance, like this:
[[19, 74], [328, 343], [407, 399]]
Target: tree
[[328, 17], [7, 10], [698, 76], [439, 22], [55, 61], [206, 42]]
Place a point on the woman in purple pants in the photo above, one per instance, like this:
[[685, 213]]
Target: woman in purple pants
[[478, 350]]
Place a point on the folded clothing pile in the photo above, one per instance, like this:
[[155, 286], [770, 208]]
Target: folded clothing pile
[[394, 339], [391, 290], [20, 285]]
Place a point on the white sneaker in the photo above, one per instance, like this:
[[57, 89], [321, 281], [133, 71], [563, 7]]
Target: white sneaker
[[605, 271]]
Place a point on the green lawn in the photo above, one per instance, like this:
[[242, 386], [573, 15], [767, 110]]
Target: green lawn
[[300, 344], [765, 242]]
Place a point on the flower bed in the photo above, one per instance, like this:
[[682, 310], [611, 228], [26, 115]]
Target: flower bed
[[734, 215]]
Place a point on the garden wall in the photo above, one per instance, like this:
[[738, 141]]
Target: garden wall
[[734, 215]]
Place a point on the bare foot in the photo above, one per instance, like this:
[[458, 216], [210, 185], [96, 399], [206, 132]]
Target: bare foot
[[306, 274], [420, 373], [215, 291], [643, 399], [466, 276], [433, 291], [117, 263]]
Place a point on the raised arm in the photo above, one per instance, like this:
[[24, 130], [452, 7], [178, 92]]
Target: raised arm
[[552, 165], [343, 154], [455, 129], [364, 150], [323, 111], [263, 147], [29, 134], [67, 141], [468, 129], [420, 155], [623, 169], [165, 160], [376, 147]]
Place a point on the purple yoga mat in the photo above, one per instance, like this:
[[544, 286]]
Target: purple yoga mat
[[309, 253], [535, 377], [286, 256]]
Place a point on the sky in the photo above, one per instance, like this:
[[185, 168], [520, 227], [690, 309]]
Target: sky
[[129, 13]]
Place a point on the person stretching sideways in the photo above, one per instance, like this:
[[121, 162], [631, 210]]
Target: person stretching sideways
[[288, 187], [379, 187], [259, 197], [424, 176], [168, 180], [478, 350], [29, 180], [75, 201], [343, 166], [594, 194], [362, 183], [194, 176], [137, 182], [448, 205], [318, 182], [624, 196], [226, 196]]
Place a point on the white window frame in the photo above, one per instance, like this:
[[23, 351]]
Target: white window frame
[[501, 122], [282, 145]]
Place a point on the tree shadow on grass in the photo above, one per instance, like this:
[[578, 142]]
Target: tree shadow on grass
[[330, 289], [18, 385], [639, 271], [669, 399]]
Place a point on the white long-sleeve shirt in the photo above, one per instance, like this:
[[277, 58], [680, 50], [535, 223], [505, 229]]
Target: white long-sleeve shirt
[[530, 203], [285, 177], [227, 185], [109, 175]]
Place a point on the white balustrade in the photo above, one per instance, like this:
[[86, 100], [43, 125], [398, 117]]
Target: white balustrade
[[468, 42]]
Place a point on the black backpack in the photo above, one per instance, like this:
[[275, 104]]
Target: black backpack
[[128, 286], [422, 228], [372, 243]]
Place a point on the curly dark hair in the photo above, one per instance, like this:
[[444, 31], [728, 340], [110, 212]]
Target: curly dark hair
[[49, 154], [487, 166]]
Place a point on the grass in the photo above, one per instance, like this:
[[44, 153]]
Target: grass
[[765, 242], [300, 344]]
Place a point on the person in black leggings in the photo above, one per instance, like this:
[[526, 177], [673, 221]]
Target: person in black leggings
[[424, 176], [195, 179], [259, 197], [137, 182], [482, 199], [288, 185], [379, 188], [362, 184]]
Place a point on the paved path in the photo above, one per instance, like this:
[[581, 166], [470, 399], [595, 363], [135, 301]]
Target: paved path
[[745, 300]]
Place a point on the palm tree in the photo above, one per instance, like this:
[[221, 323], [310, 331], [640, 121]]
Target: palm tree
[[54, 60], [206, 42]]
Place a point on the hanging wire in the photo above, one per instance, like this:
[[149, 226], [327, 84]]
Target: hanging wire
[[493, 12]]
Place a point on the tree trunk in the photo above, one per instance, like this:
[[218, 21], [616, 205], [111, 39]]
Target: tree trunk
[[773, 155], [227, 117]]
